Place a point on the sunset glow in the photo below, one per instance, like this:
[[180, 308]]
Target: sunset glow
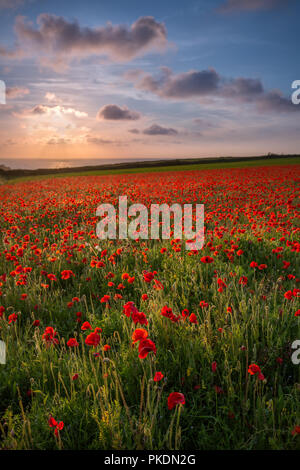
[[99, 81]]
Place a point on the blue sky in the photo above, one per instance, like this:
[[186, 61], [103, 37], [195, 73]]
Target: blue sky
[[205, 77]]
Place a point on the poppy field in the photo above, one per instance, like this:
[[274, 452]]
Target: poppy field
[[142, 344]]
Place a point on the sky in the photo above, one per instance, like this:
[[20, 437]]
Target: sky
[[138, 79]]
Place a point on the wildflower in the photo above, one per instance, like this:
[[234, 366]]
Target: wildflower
[[138, 335], [296, 430], [139, 317], [93, 339], [49, 336], [288, 295], [148, 277], [54, 424], [175, 398], [185, 312], [255, 369], [86, 326], [243, 280], [72, 343], [145, 347], [158, 377], [12, 318], [206, 259], [66, 274], [105, 299], [193, 319], [168, 313]]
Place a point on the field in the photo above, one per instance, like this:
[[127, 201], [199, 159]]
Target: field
[[144, 344]]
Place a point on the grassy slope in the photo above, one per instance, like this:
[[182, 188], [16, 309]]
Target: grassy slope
[[190, 167]]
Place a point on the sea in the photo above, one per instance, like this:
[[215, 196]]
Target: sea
[[37, 163]]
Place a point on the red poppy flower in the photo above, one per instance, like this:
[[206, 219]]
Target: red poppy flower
[[174, 399], [139, 334], [145, 347], [253, 369], [139, 317], [296, 430], [72, 343], [12, 318], [158, 376], [168, 313], [49, 335], [93, 339], [86, 326], [193, 318], [54, 424], [288, 295], [148, 277], [243, 280], [206, 259], [66, 274]]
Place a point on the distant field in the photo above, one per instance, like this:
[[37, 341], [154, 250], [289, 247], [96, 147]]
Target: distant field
[[159, 169]]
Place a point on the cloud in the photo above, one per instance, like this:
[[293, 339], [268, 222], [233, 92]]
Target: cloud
[[184, 85], [275, 101], [94, 140], [250, 5], [155, 129], [58, 141], [114, 112], [58, 111], [16, 92], [134, 131], [57, 41], [52, 98], [10, 4], [242, 89], [208, 83], [98, 140]]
